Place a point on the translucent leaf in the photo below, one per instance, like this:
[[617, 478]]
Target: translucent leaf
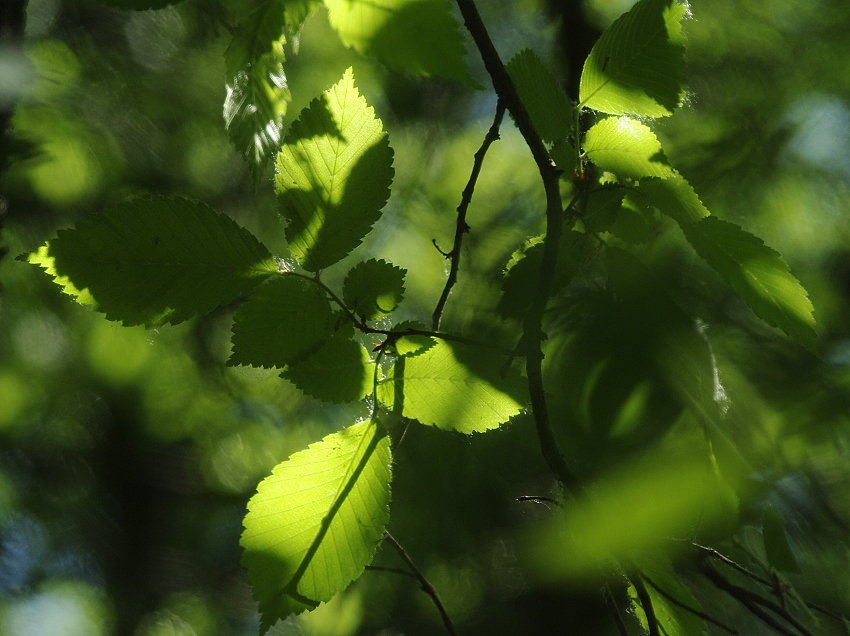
[[420, 37], [638, 65], [672, 619], [542, 96], [155, 261], [340, 371], [284, 322], [757, 273], [316, 522], [257, 91], [627, 148], [453, 387], [334, 175], [413, 344], [674, 197], [373, 288], [776, 546]]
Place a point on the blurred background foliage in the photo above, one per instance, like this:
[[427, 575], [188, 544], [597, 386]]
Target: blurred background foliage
[[127, 456]]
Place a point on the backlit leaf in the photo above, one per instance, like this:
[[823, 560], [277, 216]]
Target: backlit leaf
[[637, 67], [542, 96], [156, 260], [373, 288], [674, 197], [284, 322], [453, 387], [627, 148], [340, 371], [316, 522], [420, 37], [334, 175], [412, 345]]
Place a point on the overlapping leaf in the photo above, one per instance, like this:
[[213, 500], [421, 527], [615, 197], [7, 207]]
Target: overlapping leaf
[[157, 260], [637, 66], [316, 522], [257, 92], [411, 345], [284, 322], [543, 98], [420, 37], [334, 174], [674, 197], [340, 371], [453, 387], [373, 288], [627, 148], [673, 619]]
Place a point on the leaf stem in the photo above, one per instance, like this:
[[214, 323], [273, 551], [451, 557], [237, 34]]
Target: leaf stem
[[424, 584], [462, 227]]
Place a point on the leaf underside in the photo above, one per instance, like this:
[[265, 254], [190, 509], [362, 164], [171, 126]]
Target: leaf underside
[[334, 175], [316, 522], [373, 288], [156, 260], [627, 148], [542, 96]]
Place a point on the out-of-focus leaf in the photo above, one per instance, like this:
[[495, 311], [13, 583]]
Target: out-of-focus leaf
[[776, 546], [672, 618], [139, 5], [340, 371], [543, 98], [334, 175], [637, 67], [315, 523], [156, 260], [420, 37], [627, 148], [373, 288]]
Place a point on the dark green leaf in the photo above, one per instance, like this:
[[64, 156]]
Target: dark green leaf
[[139, 5], [315, 523], [373, 288], [627, 148], [284, 322], [155, 261], [340, 371], [635, 222], [603, 208], [542, 96], [674, 197], [637, 67], [672, 618], [776, 546], [334, 175]]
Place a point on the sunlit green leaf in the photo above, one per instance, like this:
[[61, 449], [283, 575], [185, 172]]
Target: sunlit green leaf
[[671, 616], [316, 522], [627, 148], [257, 91], [334, 175], [674, 197], [776, 546], [412, 345], [542, 96], [155, 261], [453, 387], [373, 288], [637, 66], [284, 322], [757, 273], [340, 371], [420, 37]]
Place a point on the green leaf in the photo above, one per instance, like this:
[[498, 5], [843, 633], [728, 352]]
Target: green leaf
[[603, 208], [564, 156], [672, 619], [674, 197], [316, 522], [340, 371], [542, 96], [156, 260], [627, 148], [138, 5], [412, 345], [454, 387], [635, 222], [757, 273], [776, 546], [283, 323], [257, 91], [420, 37], [637, 67], [334, 175], [373, 288]]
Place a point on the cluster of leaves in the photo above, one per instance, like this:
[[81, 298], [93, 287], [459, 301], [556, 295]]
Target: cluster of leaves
[[316, 522]]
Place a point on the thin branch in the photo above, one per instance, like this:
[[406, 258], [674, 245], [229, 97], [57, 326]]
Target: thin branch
[[646, 603], [399, 571], [462, 227], [686, 607], [423, 582]]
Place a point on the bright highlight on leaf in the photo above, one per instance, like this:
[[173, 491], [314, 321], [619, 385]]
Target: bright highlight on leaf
[[411, 345], [315, 523], [340, 371], [453, 387], [373, 288], [627, 148], [334, 175], [542, 96], [637, 67], [672, 618], [155, 261], [420, 37], [257, 91], [283, 323]]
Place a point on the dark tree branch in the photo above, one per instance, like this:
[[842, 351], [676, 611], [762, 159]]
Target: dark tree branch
[[399, 571], [462, 227], [686, 607], [533, 324], [424, 584]]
